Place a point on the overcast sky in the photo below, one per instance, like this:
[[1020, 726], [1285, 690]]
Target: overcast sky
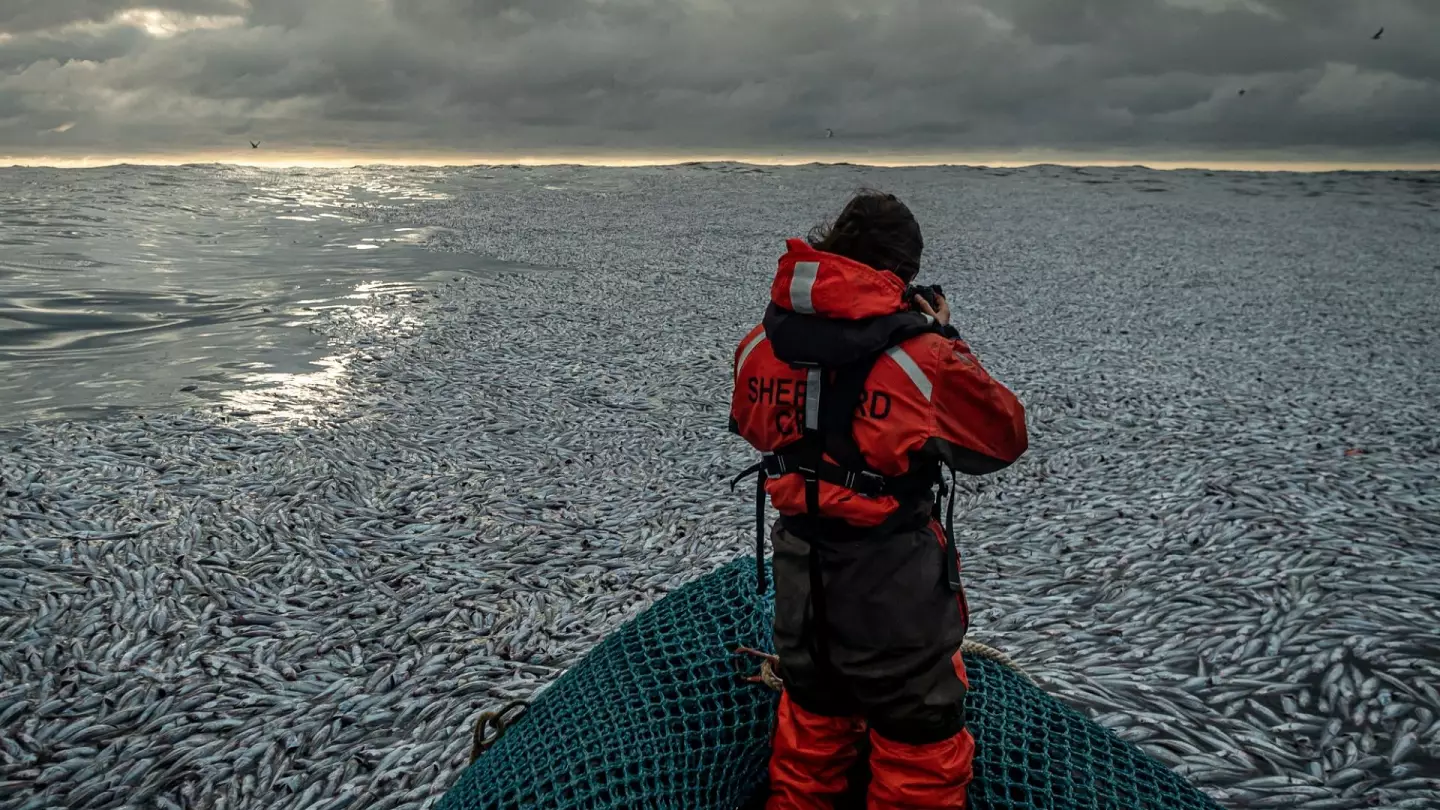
[[739, 76]]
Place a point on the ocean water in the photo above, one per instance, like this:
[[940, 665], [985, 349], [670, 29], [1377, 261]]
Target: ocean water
[[136, 287]]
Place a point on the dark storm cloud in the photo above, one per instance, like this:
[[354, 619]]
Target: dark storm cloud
[[92, 46], [722, 74]]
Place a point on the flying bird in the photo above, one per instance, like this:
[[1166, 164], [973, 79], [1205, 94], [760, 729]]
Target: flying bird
[[1378, 33], [829, 133], [1242, 91], [254, 144]]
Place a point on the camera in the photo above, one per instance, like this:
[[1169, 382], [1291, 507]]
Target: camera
[[930, 292]]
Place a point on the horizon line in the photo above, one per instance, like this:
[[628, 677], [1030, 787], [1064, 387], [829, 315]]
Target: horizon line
[[451, 159]]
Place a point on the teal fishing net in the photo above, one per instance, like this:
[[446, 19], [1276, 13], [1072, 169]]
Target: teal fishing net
[[656, 716]]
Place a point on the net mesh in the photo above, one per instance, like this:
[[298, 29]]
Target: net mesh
[[656, 716]]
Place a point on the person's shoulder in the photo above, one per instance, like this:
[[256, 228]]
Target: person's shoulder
[[927, 345], [937, 353], [755, 333]]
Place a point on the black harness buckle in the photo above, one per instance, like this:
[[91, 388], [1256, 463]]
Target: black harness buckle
[[774, 465], [868, 484]]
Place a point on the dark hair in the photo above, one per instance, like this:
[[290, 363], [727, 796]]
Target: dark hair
[[876, 229]]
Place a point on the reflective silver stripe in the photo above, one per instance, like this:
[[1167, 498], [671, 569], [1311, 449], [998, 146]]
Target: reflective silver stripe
[[745, 353], [812, 399], [767, 472], [929, 319], [912, 370], [802, 282]]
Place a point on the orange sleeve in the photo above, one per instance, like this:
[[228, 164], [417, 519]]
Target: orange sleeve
[[980, 424]]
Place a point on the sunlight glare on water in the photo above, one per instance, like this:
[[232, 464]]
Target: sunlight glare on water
[[132, 286]]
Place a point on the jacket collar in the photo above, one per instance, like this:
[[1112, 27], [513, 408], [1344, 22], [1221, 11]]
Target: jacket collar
[[813, 282], [829, 310]]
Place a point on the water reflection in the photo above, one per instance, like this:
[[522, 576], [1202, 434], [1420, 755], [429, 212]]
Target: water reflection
[[120, 287], [276, 397]]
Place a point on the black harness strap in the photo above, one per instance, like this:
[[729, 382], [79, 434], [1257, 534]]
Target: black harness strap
[[759, 520], [952, 554], [866, 482], [812, 460], [818, 614], [837, 414]]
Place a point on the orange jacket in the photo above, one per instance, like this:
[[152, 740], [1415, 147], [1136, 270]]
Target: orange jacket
[[926, 398]]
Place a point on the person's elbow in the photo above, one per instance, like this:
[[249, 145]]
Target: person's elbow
[[1016, 439], [1003, 443]]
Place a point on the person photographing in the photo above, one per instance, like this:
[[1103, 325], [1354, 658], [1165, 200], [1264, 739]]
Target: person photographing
[[857, 391]]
